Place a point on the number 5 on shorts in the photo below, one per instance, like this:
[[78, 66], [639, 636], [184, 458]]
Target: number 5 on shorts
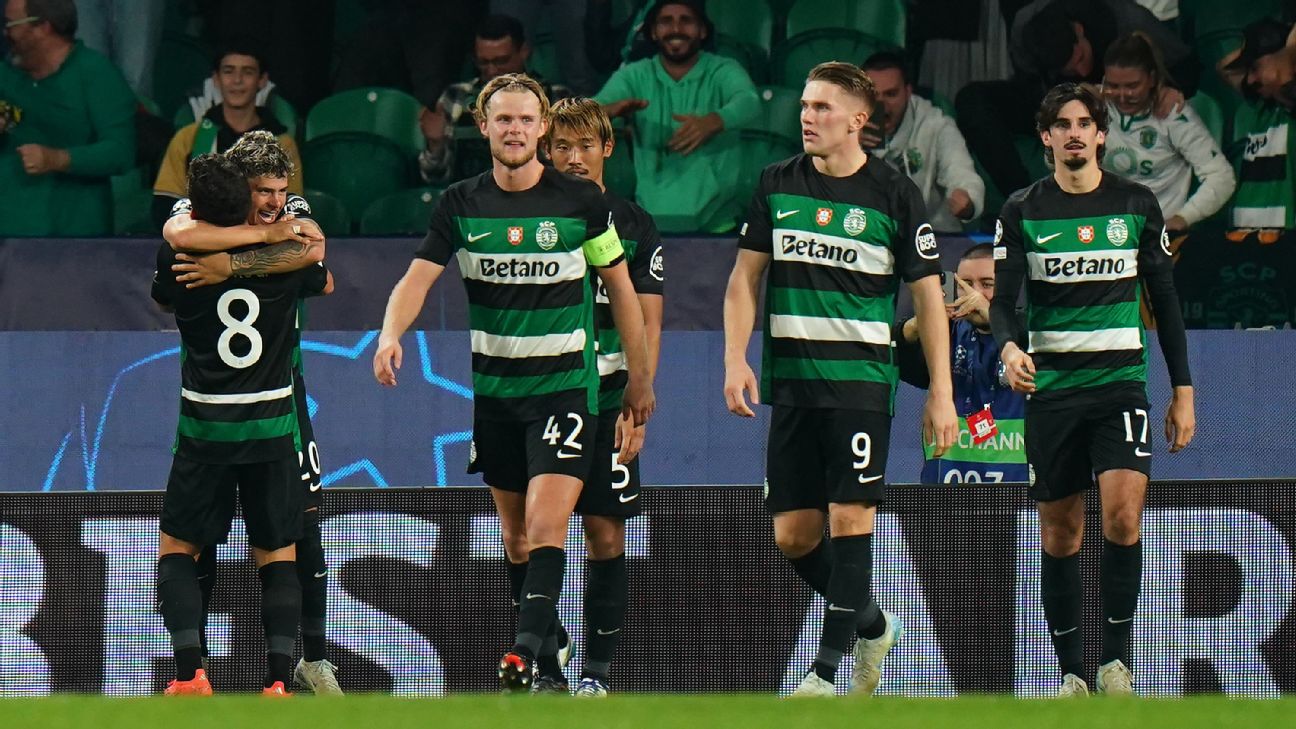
[[552, 435]]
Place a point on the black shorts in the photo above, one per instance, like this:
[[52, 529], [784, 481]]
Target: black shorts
[[1067, 447], [612, 488], [199, 503], [509, 454], [818, 456]]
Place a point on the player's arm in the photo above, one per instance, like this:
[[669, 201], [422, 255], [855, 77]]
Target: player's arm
[[1156, 267], [629, 319], [755, 250], [198, 236], [403, 306], [1010, 272], [940, 421]]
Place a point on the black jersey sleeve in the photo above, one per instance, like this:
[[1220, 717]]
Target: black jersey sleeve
[[648, 267], [313, 279], [296, 206], [602, 244], [1010, 272], [164, 287], [756, 233], [442, 237], [917, 254], [1156, 267]]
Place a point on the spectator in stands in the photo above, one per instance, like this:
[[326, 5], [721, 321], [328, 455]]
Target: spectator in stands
[[914, 136], [1053, 41], [239, 74], [686, 107], [499, 47], [1263, 70], [71, 126], [980, 392], [126, 31], [1163, 154]]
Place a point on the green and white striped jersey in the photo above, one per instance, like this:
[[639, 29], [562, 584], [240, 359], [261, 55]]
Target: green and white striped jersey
[[643, 251], [524, 257], [1266, 175], [1082, 256], [840, 247]]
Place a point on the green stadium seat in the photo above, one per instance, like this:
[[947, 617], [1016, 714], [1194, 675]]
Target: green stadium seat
[[748, 21], [759, 150], [388, 113], [356, 168], [1205, 17], [618, 170], [544, 59], [1211, 114], [282, 108], [329, 212], [752, 57], [180, 63], [794, 57], [401, 213], [780, 112], [882, 19], [132, 204]]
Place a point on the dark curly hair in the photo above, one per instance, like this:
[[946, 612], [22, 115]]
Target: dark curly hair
[[259, 154], [218, 191]]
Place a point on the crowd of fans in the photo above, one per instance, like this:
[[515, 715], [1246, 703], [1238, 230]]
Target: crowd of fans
[[1200, 98]]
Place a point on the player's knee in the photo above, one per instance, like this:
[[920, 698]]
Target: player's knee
[[604, 541], [1122, 526], [794, 544], [1061, 540], [516, 546]]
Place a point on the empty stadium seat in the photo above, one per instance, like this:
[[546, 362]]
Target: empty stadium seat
[[760, 149], [780, 112], [619, 171], [356, 168], [388, 113], [1205, 17], [401, 213], [132, 204], [753, 58], [329, 212], [794, 57], [882, 19], [180, 64]]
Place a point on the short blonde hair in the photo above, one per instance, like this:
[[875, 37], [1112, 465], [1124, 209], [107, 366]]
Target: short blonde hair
[[582, 115], [849, 77], [509, 82]]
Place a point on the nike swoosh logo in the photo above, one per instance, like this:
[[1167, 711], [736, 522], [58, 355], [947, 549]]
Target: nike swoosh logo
[[836, 609], [783, 214], [568, 455], [538, 596], [1118, 622], [1141, 452], [1061, 633], [314, 487], [1042, 239], [321, 574], [474, 238], [627, 499], [614, 631], [870, 479]]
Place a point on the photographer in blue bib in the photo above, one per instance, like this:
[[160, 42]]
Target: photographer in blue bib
[[990, 446]]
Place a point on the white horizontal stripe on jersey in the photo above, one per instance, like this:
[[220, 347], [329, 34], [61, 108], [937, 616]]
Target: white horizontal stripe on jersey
[[1101, 340], [1083, 266], [611, 363], [814, 328], [1272, 142], [798, 246], [237, 398], [545, 345], [522, 268], [1274, 217]]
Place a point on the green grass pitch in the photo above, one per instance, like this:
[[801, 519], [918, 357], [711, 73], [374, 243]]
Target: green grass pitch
[[748, 711]]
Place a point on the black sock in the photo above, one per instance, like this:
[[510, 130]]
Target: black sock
[[281, 604], [312, 573], [517, 572], [180, 602], [206, 566], [539, 595], [815, 568], [848, 600], [1060, 591], [606, 595], [1122, 573], [547, 660]]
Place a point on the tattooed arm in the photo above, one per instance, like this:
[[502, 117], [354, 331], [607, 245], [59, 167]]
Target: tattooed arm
[[195, 271]]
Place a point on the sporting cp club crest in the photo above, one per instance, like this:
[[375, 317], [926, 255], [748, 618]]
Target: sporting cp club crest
[[823, 216], [1148, 138], [1085, 233], [515, 236], [547, 235], [855, 222], [1117, 231]]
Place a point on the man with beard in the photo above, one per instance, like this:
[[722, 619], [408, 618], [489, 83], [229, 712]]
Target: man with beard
[[686, 106], [525, 237], [1088, 244]]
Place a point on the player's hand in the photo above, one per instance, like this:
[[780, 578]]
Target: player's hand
[[194, 270], [639, 400], [694, 130], [940, 424], [1180, 420], [1169, 101], [1176, 224], [625, 107], [971, 305], [1019, 368], [386, 361], [37, 159], [740, 379], [629, 439], [960, 203], [289, 228]]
